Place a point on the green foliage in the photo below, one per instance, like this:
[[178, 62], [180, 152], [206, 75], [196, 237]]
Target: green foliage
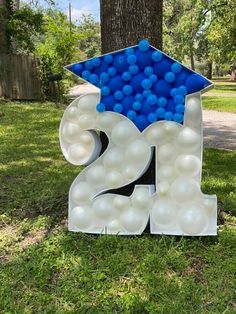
[[46, 269]]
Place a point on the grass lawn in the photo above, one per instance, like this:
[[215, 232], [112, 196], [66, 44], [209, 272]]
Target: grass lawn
[[46, 269], [226, 104]]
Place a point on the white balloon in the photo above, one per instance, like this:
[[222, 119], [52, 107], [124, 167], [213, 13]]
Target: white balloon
[[166, 173], [81, 217], [141, 198], [132, 220], [114, 226], [72, 114], [188, 165], [163, 188], [113, 158], [78, 154], [171, 128], [164, 212], [123, 133], [86, 121], [81, 193], [86, 138], [121, 203], [185, 190], [102, 208], [137, 152], [156, 134], [71, 132], [193, 220], [188, 140], [95, 175], [131, 172], [193, 109], [114, 179], [166, 153], [106, 120], [87, 103]]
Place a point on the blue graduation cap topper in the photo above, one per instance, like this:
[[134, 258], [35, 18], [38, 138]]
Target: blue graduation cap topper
[[142, 83]]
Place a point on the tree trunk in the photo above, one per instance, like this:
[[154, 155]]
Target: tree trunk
[[209, 70], [123, 24], [3, 26], [192, 59]]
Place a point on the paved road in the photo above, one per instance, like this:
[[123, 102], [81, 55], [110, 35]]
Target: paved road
[[219, 127]]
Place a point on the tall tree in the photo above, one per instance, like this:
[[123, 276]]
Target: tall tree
[[124, 23], [4, 14]]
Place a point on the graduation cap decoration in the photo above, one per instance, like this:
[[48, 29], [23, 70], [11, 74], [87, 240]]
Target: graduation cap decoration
[[142, 83]]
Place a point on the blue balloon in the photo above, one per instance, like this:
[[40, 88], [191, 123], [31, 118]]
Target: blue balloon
[[170, 105], [108, 59], [131, 114], [133, 69], [116, 83], [176, 67], [95, 61], [120, 63], [153, 78], [112, 71], [104, 77], [139, 97], [148, 71], [131, 59], [109, 102], [127, 103], [93, 78], [118, 108], [118, 95], [127, 90], [129, 51], [160, 112], [77, 68], [179, 99], [141, 122], [126, 76], [180, 78], [195, 83], [161, 88], [152, 100], [162, 102], [178, 117], [147, 93], [152, 117], [136, 82], [157, 56], [179, 108], [182, 90], [100, 107], [146, 109], [144, 59], [161, 68], [137, 105], [88, 65], [173, 92], [168, 116], [146, 84], [86, 74], [143, 45], [169, 77], [105, 91]]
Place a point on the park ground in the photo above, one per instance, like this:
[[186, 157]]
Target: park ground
[[46, 269]]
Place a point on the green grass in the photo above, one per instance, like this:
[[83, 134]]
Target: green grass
[[46, 269], [225, 104]]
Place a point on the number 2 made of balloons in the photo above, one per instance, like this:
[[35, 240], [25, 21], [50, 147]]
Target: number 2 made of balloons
[[175, 205]]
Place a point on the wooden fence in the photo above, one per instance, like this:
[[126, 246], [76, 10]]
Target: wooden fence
[[19, 77]]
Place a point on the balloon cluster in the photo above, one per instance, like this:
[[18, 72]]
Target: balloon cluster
[[141, 83]]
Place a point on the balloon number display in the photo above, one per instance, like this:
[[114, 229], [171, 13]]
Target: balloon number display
[[146, 101]]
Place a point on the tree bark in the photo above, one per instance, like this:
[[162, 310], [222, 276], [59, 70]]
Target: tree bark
[[4, 44], [123, 24], [209, 70]]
